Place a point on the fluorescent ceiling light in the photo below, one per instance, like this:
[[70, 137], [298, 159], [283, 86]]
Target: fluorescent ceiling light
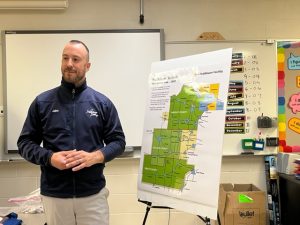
[[35, 4]]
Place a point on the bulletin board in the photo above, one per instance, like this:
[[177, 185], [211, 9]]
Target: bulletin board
[[288, 64], [252, 90]]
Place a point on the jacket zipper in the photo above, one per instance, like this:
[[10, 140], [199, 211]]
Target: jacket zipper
[[74, 144], [74, 104]]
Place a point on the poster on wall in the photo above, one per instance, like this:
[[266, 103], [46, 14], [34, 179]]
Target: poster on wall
[[288, 64], [183, 132], [244, 95]]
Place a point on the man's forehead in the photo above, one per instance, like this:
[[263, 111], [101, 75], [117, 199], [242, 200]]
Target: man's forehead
[[75, 49]]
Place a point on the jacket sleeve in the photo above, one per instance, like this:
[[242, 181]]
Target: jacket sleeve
[[31, 137], [114, 137]]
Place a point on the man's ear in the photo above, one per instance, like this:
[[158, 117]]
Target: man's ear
[[88, 65]]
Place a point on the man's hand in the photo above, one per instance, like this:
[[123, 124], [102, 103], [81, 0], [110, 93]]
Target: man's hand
[[80, 159], [59, 159]]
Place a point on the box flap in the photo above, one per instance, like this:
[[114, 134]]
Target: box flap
[[242, 187], [245, 187], [226, 187]]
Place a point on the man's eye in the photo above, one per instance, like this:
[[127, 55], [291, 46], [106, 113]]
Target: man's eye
[[75, 59]]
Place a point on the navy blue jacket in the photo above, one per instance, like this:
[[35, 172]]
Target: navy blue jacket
[[66, 118]]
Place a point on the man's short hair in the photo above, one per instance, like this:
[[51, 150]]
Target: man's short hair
[[85, 46]]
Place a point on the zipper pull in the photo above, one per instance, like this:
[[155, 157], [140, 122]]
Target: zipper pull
[[73, 93]]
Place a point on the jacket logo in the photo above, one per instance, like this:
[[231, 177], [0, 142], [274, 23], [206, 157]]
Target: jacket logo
[[92, 112], [55, 110]]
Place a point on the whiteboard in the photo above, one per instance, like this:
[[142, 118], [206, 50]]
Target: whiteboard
[[120, 66], [260, 86]]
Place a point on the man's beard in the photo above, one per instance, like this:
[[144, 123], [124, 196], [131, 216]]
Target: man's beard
[[73, 77]]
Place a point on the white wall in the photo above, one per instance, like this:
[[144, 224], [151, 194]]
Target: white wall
[[182, 20]]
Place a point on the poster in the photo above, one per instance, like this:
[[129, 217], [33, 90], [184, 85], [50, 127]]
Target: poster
[[183, 132]]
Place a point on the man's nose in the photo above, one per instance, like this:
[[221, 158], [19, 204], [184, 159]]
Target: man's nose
[[70, 63]]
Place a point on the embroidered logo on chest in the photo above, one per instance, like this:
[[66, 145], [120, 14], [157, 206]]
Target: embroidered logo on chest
[[91, 112]]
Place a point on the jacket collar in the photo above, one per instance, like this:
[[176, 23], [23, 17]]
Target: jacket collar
[[70, 86]]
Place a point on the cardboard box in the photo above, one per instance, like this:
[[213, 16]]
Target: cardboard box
[[242, 204]]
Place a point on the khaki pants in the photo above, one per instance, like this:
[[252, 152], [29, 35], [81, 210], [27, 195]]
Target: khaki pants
[[91, 210]]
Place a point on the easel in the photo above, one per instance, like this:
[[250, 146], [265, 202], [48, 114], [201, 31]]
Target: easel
[[149, 206]]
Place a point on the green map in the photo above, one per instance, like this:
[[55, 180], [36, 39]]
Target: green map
[[167, 165]]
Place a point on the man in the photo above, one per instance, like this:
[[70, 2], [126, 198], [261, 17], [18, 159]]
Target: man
[[80, 131]]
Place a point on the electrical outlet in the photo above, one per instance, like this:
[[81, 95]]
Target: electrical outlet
[[1, 110]]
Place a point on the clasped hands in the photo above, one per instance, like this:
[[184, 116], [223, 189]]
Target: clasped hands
[[76, 159]]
